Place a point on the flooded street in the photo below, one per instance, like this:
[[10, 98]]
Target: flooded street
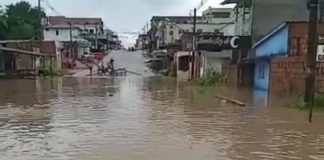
[[144, 118]]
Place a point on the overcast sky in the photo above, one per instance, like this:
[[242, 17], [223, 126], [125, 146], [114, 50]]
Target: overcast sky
[[121, 15]]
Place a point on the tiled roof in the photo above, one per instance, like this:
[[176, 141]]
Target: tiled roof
[[61, 20], [62, 26], [176, 18]]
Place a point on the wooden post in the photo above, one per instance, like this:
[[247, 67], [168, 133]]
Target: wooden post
[[311, 57], [193, 59], [51, 65]]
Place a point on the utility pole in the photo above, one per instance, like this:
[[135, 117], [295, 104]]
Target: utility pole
[[71, 40], [96, 38], [311, 57], [193, 59], [39, 34]]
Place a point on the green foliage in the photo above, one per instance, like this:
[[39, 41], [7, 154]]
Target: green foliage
[[19, 21], [298, 102], [213, 78], [48, 71]]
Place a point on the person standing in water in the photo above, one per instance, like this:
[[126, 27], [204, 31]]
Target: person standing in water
[[90, 69]]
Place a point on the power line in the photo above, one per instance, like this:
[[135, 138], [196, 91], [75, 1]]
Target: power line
[[199, 6], [48, 4]]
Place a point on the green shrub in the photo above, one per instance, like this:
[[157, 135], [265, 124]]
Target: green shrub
[[298, 102], [213, 78], [48, 71]]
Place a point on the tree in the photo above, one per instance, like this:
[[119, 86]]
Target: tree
[[19, 21], [3, 24]]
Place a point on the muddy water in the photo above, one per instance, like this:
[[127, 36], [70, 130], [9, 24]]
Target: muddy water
[[142, 118]]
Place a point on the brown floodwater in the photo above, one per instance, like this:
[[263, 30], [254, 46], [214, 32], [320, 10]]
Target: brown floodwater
[[146, 118]]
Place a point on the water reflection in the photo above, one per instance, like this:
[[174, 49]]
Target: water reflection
[[145, 118], [260, 98]]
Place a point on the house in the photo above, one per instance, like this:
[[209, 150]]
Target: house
[[280, 59], [90, 29], [142, 42], [61, 33], [215, 60], [69, 31], [69, 36], [87, 25], [170, 32], [24, 57], [170, 29], [256, 19], [272, 45], [259, 16]]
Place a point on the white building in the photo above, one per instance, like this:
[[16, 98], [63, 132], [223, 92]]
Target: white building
[[222, 20], [63, 33], [219, 15], [87, 25], [60, 33]]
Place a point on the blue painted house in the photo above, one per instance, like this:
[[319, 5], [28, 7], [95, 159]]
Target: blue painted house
[[272, 45]]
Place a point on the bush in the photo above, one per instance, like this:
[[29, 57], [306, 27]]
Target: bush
[[298, 102], [213, 78], [48, 71]]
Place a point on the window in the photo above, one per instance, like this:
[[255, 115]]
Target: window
[[171, 33], [221, 14], [57, 32], [46, 29], [91, 31], [262, 71], [171, 26], [180, 31], [184, 63]]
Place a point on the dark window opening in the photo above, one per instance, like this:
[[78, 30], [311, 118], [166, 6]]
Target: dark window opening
[[171, 33], [184, 63], [57, 32], [221, 14]]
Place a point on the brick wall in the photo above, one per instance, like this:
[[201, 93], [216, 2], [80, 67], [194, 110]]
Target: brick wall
[[288, 75]]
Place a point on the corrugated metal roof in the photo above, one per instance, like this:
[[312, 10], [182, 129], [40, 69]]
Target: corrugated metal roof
[[62, 20], [64, 26], [229, 2], [269, 35], [25, 52]]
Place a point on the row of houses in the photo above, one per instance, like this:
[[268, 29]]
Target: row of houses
[[80, 35], [257, 44], [65, 41]]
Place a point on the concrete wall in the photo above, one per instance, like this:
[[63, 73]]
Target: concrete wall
[[269, 13], [64, 34], [276, 44], [208, 14], [213, 63]]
